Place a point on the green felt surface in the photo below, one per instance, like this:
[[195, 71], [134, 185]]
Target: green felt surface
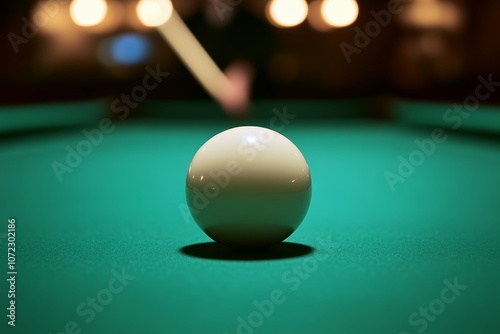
[[341, 108], [54, 115], [457, 116], [378, 255]]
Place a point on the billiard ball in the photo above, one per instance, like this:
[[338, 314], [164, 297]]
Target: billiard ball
[[248, 187]]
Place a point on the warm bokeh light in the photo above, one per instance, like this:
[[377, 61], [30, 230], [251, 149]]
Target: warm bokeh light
[[286, 13], [153, 13], [433, 14], [340, 13], [53, 22], [315, 17], [88, 13]]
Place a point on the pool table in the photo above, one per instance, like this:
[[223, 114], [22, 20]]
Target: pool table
[[402, 234]]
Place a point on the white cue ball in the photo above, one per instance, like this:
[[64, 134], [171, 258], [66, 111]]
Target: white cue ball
[[248, 187]]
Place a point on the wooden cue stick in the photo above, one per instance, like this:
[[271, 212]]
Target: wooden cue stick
[[194, 56]]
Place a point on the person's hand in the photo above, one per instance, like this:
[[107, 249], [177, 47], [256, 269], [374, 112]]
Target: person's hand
[[236, 100]]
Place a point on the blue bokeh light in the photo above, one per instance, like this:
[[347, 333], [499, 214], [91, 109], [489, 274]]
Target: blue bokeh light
[[130, 49]]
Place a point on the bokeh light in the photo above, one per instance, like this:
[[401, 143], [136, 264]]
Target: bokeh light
[[124, 49], [129, 49], [87, 13], [286, 13], [340, 13], [433, 14], [153, 13], [315, 17], [54, 21]]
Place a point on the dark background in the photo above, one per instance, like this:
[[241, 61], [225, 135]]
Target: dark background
[[432, 63]]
